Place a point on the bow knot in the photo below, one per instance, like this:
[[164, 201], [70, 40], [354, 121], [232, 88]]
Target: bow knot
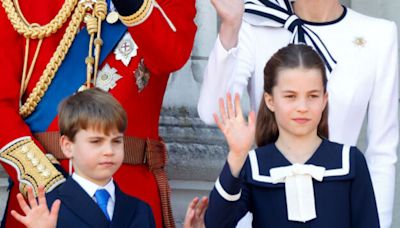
[[280, 174], [280, 14], [299, 189], [293, 22]]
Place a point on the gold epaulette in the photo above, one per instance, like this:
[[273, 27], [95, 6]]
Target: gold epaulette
[[140, 15], [143, 13], [32, 165]]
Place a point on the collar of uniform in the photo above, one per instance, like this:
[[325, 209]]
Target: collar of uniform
[[334, 157], [90, 187]]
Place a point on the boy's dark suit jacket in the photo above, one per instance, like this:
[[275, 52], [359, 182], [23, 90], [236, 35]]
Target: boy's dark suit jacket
[[78, 209]]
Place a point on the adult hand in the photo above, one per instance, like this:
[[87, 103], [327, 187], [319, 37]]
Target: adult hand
[[231, 13], [37, 214], [195, 213], [238, 133]]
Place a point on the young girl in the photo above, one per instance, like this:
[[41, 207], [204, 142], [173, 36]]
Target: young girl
[[360, 54], [296, 177]]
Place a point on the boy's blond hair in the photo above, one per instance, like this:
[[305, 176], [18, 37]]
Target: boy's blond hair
[[90, 109]]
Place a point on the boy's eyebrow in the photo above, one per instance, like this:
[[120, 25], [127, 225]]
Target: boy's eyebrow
[[315, 90], [292, 91]]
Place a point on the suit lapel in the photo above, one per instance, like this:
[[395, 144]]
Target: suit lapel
[[82, 205], [124, 209]]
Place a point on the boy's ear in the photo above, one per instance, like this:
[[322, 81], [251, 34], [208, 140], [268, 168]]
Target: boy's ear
[[66, 146], [269, 101]]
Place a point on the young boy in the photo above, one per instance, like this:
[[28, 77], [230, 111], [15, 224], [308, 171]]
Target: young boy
[[91, 125]]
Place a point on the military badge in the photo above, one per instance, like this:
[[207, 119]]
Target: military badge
[[107, 78], [126, 49], [142, 75]]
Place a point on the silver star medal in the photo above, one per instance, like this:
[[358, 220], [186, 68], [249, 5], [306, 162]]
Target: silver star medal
[[126, 49], [107, 78]]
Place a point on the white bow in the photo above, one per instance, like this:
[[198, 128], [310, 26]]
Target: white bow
[[299, 189]]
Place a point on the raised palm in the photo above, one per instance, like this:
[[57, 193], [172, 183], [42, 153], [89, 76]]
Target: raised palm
[[37, 214], [230, 11], [238, 133]]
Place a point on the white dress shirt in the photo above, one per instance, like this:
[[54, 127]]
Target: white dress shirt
[[91, 188], [363, 84]]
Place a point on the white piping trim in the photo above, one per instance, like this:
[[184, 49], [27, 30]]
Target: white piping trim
[[345, 164], [13, 142], [255, 170], [226, 195], [328, 173]]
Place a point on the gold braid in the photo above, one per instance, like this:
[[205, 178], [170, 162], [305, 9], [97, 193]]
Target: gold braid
[[34, 31], [21, 26], [51, 68]]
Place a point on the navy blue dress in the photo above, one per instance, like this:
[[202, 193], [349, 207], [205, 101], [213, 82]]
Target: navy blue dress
[[78, 209], [345, 198]]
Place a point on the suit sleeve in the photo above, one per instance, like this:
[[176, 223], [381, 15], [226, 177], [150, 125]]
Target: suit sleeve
[[166, 36], [383, 128], [363, 205], [228, 201], [150, 217]]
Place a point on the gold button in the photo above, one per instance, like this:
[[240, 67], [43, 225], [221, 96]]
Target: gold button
[[30, 155], [35, 161], [40, 168], [24, 149], [46, 173]]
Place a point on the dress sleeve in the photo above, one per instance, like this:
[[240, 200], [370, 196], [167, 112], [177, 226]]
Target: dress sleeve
[[228, 201], [363, 205], [383, 127], [226, 71]]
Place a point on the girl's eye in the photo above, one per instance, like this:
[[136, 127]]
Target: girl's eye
[[95, 141], [314, 96], [118, 141], [289, 96]]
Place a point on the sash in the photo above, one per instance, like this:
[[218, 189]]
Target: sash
[[72, 74]]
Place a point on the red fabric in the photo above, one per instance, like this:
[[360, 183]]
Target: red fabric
[[163, 51]]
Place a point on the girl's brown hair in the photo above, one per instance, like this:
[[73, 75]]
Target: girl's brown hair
[[290, 57]]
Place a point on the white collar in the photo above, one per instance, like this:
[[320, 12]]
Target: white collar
[[90, 187]]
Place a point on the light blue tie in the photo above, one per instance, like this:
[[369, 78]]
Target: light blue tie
[[102, 197]]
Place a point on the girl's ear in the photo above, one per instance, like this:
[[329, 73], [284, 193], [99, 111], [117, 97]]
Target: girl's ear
[[66, 146], [325, 99], [269, 101]]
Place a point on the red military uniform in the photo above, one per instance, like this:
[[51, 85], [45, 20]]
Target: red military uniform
[[162, 51]]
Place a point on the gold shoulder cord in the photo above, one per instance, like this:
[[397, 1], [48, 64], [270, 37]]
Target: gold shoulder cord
[[35, 31]]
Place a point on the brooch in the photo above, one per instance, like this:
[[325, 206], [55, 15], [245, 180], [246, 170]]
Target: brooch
[[107, 78], [142, 75], [359, 42]]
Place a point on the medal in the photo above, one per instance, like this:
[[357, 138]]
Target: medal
[[126, 49], [107, 78], [112, 17], [142, 75]]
